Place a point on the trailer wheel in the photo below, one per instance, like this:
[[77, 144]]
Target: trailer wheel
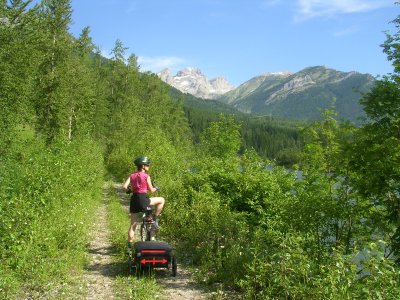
[[139, 270]]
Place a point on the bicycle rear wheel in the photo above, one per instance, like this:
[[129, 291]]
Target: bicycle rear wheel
[[145, 232]]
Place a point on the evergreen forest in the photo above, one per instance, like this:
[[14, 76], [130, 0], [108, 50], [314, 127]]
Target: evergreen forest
[[71, 121]]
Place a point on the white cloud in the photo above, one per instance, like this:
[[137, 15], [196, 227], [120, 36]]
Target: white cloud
[[156, 64], [320, 8], [153, 64]]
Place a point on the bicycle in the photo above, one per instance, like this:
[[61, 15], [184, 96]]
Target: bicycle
[[147, 227], [148, 253]]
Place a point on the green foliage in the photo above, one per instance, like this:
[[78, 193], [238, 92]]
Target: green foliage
[[221, 139], [291, 272], [278, 271], [47, 201], [375, 155], [207, 235], [137, 289], [391, 46], [219, 203], [272, 138], [17, 72], [54, 72], [299, 235]]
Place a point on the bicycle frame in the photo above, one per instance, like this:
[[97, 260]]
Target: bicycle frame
[[146, 227]]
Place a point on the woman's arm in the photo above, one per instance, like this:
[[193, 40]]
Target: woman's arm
[[126, 184], [150, 186]]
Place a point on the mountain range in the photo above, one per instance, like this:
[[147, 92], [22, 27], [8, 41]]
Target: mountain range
[[299, 95]]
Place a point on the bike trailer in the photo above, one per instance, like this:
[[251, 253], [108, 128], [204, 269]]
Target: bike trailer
[[154, 254]]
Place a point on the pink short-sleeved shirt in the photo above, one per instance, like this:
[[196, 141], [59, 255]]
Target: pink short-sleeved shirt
[[139, 182]]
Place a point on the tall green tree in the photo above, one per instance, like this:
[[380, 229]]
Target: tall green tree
[[53, 81], [376, 153], [81, 90], [330, 209], [117, 88], [101, 110], [18, 56]]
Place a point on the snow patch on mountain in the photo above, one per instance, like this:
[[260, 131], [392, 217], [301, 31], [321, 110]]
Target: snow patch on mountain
[[193, 81]]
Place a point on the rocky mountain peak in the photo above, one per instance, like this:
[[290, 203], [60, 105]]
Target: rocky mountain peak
[[166, 76], [192, 81], [189, 71]]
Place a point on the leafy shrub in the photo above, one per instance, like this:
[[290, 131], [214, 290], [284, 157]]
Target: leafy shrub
[[47, 199]]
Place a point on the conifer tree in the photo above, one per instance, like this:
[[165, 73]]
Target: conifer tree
[[53, 73], [117, 83], [101, 109], [81, 100], [18, 56]]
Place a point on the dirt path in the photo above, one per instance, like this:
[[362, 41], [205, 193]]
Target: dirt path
[[101, 272], [181, 287]]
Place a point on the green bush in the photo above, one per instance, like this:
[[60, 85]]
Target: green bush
[[48, 196]]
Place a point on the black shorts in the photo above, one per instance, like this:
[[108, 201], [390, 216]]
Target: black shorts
[[139, 202]]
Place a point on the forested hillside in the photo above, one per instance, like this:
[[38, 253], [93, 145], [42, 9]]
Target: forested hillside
[[273, 138], [328, 229]]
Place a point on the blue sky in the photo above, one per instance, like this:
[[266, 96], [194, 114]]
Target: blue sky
[[240, 39]]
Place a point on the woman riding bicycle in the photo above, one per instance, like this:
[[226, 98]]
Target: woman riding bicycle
[[140, 183]]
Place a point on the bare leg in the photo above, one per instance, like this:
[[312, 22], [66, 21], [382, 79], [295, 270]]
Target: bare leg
[[158, 202], [132, 227]]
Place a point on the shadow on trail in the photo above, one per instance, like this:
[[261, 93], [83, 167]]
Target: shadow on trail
[[122, 196], [103, 251], [112, 270]]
